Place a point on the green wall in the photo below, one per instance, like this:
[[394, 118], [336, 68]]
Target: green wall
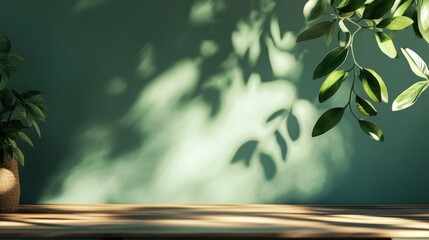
[[149, 101]]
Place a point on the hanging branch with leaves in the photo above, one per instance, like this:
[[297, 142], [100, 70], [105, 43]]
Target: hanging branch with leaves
[[383, 18]]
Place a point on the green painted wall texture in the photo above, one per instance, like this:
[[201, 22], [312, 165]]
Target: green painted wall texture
[[149, 102]]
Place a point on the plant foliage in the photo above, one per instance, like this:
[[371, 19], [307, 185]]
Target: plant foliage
[[19, 110], [381, 17]]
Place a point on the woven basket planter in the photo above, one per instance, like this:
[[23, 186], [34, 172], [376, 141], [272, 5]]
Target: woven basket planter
[[10, 189]]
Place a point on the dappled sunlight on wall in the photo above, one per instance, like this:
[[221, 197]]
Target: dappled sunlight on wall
[[188, 151]]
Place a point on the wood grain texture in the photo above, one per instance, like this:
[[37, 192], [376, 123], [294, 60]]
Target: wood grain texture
[[216, 221]]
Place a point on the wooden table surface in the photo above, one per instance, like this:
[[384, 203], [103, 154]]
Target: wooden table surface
[[217, 221]]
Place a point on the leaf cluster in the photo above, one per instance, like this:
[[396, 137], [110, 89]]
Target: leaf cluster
[[19, 110], [345, 19]]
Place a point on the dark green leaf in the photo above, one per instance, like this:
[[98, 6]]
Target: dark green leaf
[[7, 97], [3, 81], [409, 96], [332, 84], [352, 6], [282, 144], [25, 138], [5, 45], [268, 165], [365, 107], [423, 18], [372, 130], [327, 121], [395, 23], [328, 37], [377, 9], [19, 156], [318, 30], [402, 8], [276, 114], [330, 62], [313, 9], [374, 85], [29, 94], [417, 64], [245, 152], [386, 45]]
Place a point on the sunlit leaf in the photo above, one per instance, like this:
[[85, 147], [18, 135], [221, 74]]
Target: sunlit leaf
[[423, 18], [330, 62], [318, 30], [327, 121], [416, 26], [282, 144], [377, 9], [313, 9], [395, 23], [332, 84], [352, 6], [365, 107], [386, 45], [402, 8], [372, 130], [409, 96], [374, 85], [417, 65]]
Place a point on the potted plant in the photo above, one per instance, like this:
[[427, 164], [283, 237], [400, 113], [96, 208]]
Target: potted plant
[[18, 113]]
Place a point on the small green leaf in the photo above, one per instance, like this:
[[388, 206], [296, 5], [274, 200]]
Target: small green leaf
[[276, 114], [331, 85], [282, 144], [352, 6], [318, 30], [417, 65], [330, 62], [313, 9], [423, 18], [328, 37], [416, 26], [344, 39], [36, 127], [395, 23], [365, 107], [35, 111], [25, 138], [409, 96], [5, 45], [374, 85], [372, 130], [377, 9], [7, 97], [18, 155], [402, 8], [327, 121], [386, 45]]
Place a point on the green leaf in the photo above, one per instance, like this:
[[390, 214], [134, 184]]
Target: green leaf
[[377, 9], [3, 81], [416, 26], [245, 152], [409, 96], [5, 45], [282, 144], [35, 111], [402, 8], [395, 23], [327, 121], [423, 18], [330, 62], [313, 9], [29, 94], [7, 97], [365, 107], [374, 85], [331, 85], [18, 58], [386, 45], [328, 37], [372, 130], [276, 114], [352, 6], [417, 65], [344, 39], [268, 165], [19, 155], [36, 127], [318, 30], [25, 138]]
